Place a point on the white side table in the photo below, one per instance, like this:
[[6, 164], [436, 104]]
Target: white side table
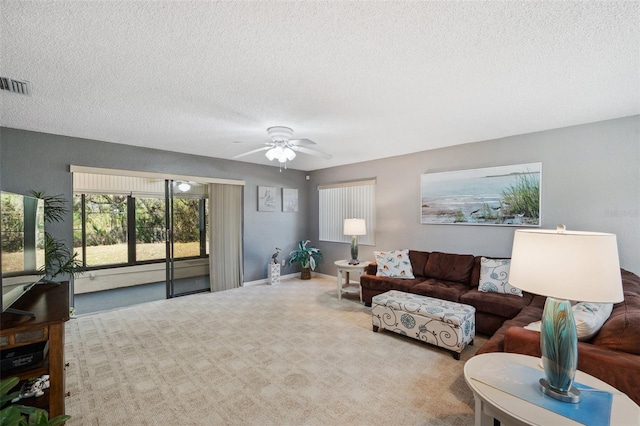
[[491, 402], [345, 269]]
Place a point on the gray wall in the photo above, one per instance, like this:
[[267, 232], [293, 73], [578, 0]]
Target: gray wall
[[40, 161], [590, 182]]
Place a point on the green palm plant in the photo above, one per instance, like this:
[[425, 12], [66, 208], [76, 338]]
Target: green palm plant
[[58, 259], [305, 256]]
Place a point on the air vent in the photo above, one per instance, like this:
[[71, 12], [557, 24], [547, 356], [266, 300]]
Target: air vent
[[15, 86]]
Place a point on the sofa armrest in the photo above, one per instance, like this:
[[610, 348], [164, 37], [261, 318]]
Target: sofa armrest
[[371, 268], [519, 340], [619, 369]]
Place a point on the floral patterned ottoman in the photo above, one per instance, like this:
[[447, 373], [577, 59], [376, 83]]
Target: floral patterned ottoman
[[448, 325]]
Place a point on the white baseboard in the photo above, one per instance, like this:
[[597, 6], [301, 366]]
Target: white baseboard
[[286, 277], [266, 280]]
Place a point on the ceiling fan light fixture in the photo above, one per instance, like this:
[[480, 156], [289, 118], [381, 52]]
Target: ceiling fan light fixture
[[283, 148], [280, 152], [289, 154], [270, 154]]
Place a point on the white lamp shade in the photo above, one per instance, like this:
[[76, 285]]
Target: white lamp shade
[[355, 227], [568, 265]]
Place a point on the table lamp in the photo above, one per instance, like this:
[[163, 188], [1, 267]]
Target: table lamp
[[564, 265], [354, 227]]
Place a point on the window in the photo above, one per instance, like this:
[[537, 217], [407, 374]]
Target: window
[[347, 200], [121, 220], [150, 229], [188, 240], [105, 228], [104, 225]]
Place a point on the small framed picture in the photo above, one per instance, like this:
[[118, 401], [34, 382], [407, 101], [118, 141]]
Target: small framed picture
[[289, 200], [266, 199]]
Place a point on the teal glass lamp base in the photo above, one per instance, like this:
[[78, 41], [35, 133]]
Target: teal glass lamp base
[[559, 347], [354, 251], [572, 395]]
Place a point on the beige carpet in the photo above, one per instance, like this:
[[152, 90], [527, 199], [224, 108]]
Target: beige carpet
[[291, 354]]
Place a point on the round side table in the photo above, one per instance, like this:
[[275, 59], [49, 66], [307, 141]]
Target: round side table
[[492, 403], [344, 268]]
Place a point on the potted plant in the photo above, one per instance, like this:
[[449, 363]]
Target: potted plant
[[59, 260], [22, 415], [306, 257]]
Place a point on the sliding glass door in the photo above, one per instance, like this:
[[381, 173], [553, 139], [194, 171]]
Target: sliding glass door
[[170, 260], [140, 239]]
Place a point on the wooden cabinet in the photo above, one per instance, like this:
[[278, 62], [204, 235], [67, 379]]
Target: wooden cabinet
[[50, 304]]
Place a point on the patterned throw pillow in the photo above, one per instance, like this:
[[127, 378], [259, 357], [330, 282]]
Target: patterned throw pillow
[[494, 277], [394, 264], [589, 318]]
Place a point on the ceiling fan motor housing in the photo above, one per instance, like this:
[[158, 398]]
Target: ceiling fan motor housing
[[279, 133]]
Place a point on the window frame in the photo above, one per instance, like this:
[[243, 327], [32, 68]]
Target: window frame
[[342, 200], [131, 234]]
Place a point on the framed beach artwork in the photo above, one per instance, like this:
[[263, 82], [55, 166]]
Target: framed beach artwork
[[266, 199], [289, 200], [504, 195]]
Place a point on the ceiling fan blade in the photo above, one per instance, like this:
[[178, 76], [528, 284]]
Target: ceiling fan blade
[[264, 148], [301, 142], [310, 151]]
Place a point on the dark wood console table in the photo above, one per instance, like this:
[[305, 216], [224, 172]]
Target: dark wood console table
[[50, 304]]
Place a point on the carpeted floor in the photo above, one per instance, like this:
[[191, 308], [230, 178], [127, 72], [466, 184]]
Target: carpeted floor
[[291, 354]]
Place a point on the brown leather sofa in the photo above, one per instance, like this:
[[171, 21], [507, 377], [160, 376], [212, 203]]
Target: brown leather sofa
[[452, 277], [612, 355]]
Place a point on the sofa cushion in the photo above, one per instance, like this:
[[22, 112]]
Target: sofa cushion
[[621, 331], [589, 318], [394, 264], [383, 284], [504, 305], [445, 290], [418, 260], [449, 267], [494, 277]]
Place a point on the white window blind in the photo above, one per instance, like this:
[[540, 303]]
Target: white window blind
[[345, 200]]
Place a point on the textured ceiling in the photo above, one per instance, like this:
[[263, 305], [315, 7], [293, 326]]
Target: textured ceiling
[[365, 80]]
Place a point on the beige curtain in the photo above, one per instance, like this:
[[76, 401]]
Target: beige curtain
[[225, 236]]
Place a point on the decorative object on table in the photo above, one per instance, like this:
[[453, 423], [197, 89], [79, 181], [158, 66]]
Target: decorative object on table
[[33, 387], [354, 227], [289, 200], [266, 199], [283, 148], [274, 256], [504, 195], [306, 257], [564, 265]]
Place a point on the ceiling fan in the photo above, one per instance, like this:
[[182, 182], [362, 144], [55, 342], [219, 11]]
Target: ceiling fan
[[283, 148]]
